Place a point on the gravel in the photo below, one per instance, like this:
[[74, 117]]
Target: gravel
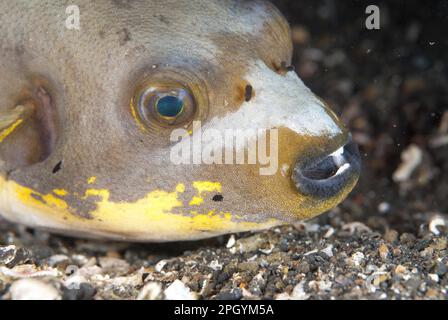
[[303, 263]]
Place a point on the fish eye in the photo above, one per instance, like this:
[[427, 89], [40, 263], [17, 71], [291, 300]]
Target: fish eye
[[166, 105], [169, 106]]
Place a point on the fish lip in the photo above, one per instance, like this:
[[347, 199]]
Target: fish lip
[[328, 175]]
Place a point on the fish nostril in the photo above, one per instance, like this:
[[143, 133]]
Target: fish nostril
[[328, 176]]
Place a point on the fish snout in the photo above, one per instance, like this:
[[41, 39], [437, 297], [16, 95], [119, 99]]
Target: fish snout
[[328, 175]]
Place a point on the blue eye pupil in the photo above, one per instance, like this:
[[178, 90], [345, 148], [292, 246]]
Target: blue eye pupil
[[169, 106]]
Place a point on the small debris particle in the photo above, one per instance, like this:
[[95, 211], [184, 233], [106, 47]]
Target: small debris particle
[[233, 294], [83, 291], [358, 258], [411, 159], [434, 277], [33, 289], [114, 265], [12, 256], [249, 244], [391, 236], [384, 207], [178, 291], [248, 266], [356, 227], [437, 221], [215, 265], [384, 252], [400, 269], [151, 291], [28, 271], [329, 233], [231, 242], [328, 250], [159, 266], [300, 35], [298, 293]]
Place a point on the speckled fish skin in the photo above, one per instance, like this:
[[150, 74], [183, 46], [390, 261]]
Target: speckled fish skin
[[75, 158]]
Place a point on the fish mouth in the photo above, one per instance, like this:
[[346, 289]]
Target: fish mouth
[[328, 175]]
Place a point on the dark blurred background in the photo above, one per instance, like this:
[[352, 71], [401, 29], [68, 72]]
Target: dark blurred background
[[390, 87]]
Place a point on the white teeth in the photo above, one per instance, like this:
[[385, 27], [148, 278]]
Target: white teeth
[[338, 157], [342, 169], [338, 152], [340, 161]]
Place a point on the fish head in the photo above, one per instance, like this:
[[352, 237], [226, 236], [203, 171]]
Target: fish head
[[162, 122]]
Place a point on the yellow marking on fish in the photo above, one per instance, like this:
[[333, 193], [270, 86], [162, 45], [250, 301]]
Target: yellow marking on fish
[[151, 215], [55, 202], [60, 192], [91, 180], [180, 188], [6, 132], [136, 117], [207, 186], [203, 187], [196, 201], [26, 194]]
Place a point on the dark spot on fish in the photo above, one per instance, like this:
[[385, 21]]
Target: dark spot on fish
[[218, 198], [57, 167], [19, 50], [38, 197], [203, 230], [162, 19], [285, 68], [248, 93], [124, 36], [123, 4]]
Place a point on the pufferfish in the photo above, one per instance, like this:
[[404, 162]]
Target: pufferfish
[[91, 94]]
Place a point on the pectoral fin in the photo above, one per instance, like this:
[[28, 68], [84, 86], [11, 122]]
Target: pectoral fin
[[25, 134], [11, 121]]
